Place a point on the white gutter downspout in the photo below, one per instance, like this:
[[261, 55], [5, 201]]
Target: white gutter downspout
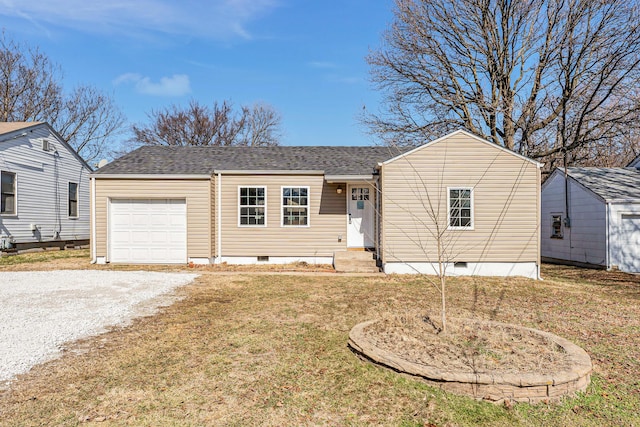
[[93, 221], [377, 216], [219, 218]]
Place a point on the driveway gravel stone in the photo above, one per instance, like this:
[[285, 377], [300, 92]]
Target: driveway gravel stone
[[40, 311]]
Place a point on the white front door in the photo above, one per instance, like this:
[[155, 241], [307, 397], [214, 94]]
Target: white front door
[[361, 216]]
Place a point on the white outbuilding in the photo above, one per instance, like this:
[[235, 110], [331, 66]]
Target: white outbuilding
[[591, 217]]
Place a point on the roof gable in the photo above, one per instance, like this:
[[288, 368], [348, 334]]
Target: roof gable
[[467, 134], [10, 127]]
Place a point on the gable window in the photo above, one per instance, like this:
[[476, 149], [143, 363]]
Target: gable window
[[8, 193], [295, 206], [556, 226], [252, 202], [460, 208], [73, 199]]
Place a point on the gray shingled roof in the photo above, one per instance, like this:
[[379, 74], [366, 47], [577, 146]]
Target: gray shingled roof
[[163, 160], [609, 183]]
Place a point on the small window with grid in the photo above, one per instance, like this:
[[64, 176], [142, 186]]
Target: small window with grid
[[460, 208], [295, 206], [252, 202]]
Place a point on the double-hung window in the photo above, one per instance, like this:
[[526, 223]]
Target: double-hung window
[[295, 206], [8, 193], [252, 203], [73, 200], [460, 208]]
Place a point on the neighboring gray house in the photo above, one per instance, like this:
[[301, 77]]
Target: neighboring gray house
[[45, 188], [592, 218]]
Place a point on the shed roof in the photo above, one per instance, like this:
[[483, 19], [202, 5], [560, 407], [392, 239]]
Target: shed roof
[[172, 160], [609, 183]]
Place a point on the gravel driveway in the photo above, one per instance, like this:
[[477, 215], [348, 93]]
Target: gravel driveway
[[40, 311]]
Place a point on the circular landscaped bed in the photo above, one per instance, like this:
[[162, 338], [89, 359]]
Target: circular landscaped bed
[[479, 358]]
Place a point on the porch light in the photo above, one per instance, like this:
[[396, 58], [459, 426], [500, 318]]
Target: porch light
[[339, 189]]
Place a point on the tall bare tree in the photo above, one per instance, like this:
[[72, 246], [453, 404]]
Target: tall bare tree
[[539, 77], [31, 90], [199, 124]]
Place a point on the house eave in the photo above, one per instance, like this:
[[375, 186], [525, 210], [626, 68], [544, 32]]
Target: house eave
[[331, 179], [268, 172]]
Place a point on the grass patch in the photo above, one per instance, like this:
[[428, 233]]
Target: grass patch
[[271, 350], [44, 256]]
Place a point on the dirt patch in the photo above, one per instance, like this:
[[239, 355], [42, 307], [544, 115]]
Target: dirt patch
[[471, 346]]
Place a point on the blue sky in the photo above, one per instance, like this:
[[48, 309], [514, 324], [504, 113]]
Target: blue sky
[[306, 58]]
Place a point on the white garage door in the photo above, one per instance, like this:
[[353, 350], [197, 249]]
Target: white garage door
[[148, 231], [629, 256]]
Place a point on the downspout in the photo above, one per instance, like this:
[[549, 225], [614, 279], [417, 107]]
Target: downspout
[[567, 217], [94, 252], [539, 219], [379, 219], [219, 218], [607, 240], [377, 214]]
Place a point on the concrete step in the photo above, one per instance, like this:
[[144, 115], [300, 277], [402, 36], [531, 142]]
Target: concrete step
[[355, 262], [354, 255]]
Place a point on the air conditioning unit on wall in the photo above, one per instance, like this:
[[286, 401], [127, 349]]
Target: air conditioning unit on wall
[[47, 145]]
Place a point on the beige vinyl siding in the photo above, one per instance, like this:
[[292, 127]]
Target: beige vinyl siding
[[197, 194], [327, 219], [505, 204]]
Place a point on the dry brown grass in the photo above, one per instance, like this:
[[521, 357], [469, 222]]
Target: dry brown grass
[[271, 350]]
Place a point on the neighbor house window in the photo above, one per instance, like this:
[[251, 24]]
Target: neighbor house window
[[252, 202], [73, 200], [556, 226], [460, 208], [295, 206], [8, 193]]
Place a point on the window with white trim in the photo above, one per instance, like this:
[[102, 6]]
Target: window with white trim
[[556, 226], [7, 193], [73, 199], [295, 206], [460, 208], [251, 206]]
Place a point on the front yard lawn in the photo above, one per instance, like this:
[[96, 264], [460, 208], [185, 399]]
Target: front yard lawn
[[271, 350]]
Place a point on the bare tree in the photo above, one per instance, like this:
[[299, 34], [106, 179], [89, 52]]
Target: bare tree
[[31, 90], [261, 126], [198, 124], [542, 78]]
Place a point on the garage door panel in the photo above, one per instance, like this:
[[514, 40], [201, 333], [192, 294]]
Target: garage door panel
[[148, 231]]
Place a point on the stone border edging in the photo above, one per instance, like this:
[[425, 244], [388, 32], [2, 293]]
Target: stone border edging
[[525, 387]]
